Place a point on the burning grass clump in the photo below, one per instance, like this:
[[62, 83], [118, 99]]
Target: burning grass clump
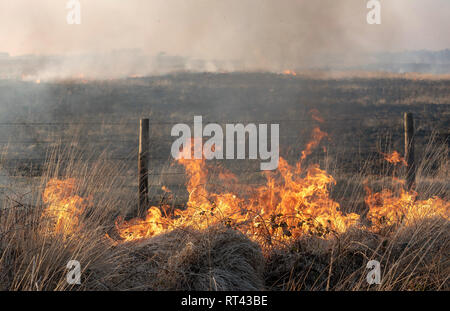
[[217, 258], [63, 217], [290, 237], [34, 258]]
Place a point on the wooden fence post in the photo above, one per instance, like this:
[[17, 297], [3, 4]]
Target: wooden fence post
[[409, 150], [143, 166]]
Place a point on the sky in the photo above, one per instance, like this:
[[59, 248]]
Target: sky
[[265, 32]]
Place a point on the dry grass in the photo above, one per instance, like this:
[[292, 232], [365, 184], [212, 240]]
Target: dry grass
[[33, 257], [412, 258], [185, 259]]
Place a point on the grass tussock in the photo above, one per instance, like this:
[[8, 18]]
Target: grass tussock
[[414, 257], [184, 259], [33, 256]]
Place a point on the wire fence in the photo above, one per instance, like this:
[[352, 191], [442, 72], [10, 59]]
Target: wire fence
[[218, 121], [358, 126]]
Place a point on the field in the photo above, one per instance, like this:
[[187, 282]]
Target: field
[[68, 178]]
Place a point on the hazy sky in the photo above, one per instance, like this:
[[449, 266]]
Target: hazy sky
[[266, 31]]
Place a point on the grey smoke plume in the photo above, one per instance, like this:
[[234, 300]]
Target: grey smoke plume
[[228, 35]]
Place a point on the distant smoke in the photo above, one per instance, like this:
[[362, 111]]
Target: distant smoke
[[216, 34]]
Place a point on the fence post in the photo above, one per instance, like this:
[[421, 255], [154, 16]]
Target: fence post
[[143, 166], [409, 150]]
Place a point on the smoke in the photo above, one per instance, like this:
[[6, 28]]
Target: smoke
[[225, 35]]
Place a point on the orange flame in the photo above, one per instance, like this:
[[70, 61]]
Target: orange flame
[[289, 72], [389, 207], [64, 207], [316, 115], [292, 203], [317, 136], [386, 208], [395, 158], [153, 224]]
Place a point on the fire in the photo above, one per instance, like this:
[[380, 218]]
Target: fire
[[293, 202], [387, 208], [300, 203], [317, 135], [395, 158], [30, 78], [394, 206], [289, 72], [64, 207], [316, 116], [153, 224], [165, 189]]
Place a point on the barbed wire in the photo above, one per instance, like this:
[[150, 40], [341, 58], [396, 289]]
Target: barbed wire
[[160, 139], [361, 149], [70, 142], [169, 122]]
